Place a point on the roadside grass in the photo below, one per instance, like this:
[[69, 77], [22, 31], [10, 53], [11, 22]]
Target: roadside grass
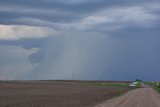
[[158, 89], [139, 85], [112, 84], [155, 85]]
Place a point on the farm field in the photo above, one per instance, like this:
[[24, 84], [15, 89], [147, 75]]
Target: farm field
[[58, 93]]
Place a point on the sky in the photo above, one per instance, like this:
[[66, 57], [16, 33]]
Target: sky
[[87, 39]]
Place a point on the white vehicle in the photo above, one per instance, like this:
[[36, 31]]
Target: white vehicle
[[133, 84]]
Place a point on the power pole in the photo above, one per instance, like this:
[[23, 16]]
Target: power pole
[[73, 76]]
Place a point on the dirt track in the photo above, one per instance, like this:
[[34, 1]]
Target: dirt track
[[142, 97]]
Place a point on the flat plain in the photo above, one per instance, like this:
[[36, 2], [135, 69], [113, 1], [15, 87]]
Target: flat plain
[[57, 93]]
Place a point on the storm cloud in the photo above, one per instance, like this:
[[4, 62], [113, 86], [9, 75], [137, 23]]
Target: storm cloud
[[94, 39]]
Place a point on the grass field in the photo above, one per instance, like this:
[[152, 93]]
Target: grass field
[[58, 93], [155, 85]]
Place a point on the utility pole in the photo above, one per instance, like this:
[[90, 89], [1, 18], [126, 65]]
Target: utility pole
[[73, 76], [6, 79]]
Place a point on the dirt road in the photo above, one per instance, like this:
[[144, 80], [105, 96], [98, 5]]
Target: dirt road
[[142, 97]]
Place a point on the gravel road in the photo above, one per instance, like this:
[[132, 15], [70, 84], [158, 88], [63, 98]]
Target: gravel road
[[142, 97]]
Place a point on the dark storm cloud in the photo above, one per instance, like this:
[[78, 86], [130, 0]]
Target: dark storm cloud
[[55, 11], [95, 39], [97, 15]]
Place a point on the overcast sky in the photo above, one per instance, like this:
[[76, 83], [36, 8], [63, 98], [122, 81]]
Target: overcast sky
[[94, 39]]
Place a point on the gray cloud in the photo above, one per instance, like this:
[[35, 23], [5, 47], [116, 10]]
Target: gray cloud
[[96, 39], [14, 63], [56, 11]]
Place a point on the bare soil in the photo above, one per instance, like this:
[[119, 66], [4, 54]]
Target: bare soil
[[142, 97], [56, 93]]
